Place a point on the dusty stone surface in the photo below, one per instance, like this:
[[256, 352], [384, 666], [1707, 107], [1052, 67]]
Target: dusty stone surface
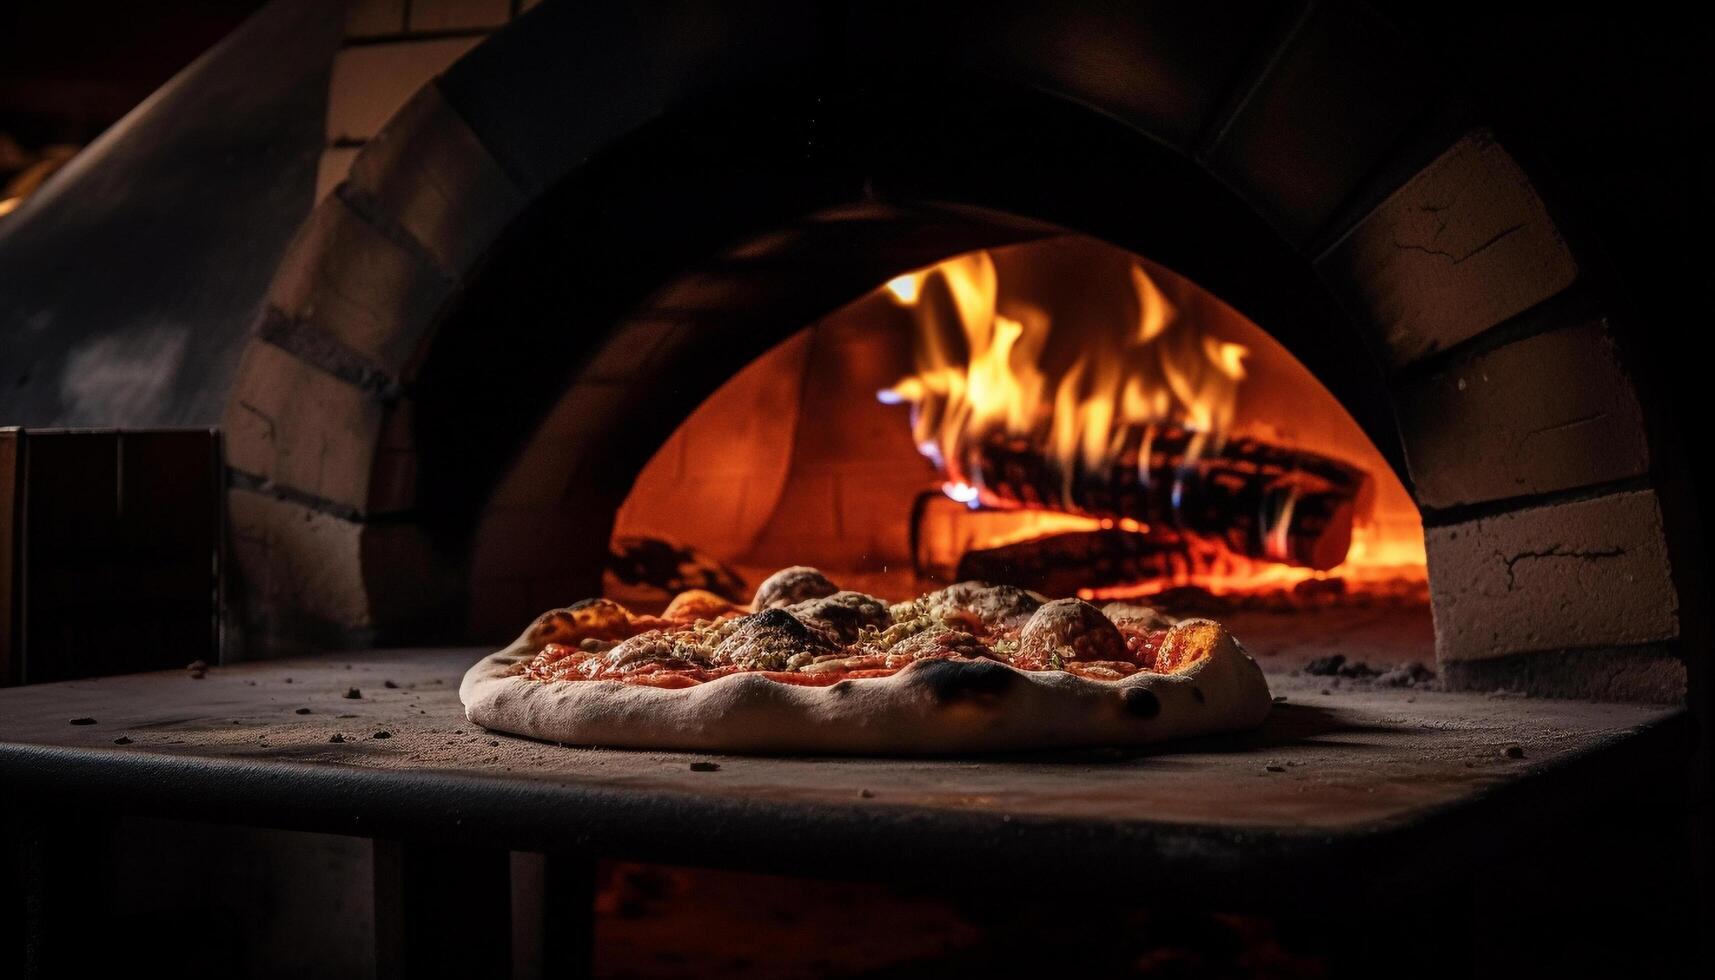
[[1359, 755], [1465, 244], [1581, 574], [1550, 412]]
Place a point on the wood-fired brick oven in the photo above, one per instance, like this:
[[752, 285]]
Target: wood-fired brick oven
[[578, 274]]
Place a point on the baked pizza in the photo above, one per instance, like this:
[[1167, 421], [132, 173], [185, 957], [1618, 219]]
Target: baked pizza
[[808, 667]]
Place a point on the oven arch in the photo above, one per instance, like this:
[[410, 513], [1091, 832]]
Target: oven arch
[[1300, 175]]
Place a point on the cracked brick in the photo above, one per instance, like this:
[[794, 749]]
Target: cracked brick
[[1586, 573], [1548, 413], [1464, 245]]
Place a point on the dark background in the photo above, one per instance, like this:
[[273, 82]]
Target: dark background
[[68, 71]]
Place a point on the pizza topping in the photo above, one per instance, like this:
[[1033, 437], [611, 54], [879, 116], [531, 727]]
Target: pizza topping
[[772, 640], [1068, 630], [694, 604], [937, 643], [975, 607], [1186, 644], [823, 635], [1132, 614], [602, 619], [792, 585], [684, 646], [845, 615]]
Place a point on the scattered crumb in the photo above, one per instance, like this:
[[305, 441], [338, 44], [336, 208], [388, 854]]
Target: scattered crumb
[[121, 740], [345, 716], [384, 733], [705, 766], [494, 743], [82, 721], [353, 693], [1271, 767], [868, 794], [1513, 751], [1326, 691], [388, 684], [336, 737], [1278, 698], [288, 680], [197, 669], [301, 711]]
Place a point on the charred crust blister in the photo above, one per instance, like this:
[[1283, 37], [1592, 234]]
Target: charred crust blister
[[951, 681], [1140, 702]]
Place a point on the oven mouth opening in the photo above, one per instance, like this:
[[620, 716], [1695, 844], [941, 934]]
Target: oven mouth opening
[[1061, 415]]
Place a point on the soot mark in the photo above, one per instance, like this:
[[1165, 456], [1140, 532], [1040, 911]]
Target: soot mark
[[952, 681], [1141, 703]]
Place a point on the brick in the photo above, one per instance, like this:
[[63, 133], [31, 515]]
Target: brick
[[1550, 412], [1464, 245], [392, 482], [407, 582], [296, 425], [1161, 67], [541, 473], [525, 542], [637, 346], [446, 15], [1587, 573], [1331, 108], [291, 557], [372, 18], [370, 83], [367, 290], [431, 174], [335, 163]]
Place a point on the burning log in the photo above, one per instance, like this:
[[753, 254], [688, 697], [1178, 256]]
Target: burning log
[[1261, 501], [1061, 564]]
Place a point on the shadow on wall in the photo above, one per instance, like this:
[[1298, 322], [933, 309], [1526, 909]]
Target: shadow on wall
[[129, 282]]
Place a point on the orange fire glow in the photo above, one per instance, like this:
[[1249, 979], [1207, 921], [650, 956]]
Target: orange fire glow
[[986, 366], [980, 373]]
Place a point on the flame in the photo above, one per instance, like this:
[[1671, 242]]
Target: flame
[[981, 372]]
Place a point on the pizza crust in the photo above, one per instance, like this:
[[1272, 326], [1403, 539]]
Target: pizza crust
[[931, 707]]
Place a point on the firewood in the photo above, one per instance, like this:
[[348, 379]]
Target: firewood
[[1262, 501], [1060, 564]]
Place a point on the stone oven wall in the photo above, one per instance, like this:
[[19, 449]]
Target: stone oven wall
[[1333, 141]]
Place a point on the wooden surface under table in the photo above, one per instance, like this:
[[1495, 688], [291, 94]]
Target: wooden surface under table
[[1395, 782]]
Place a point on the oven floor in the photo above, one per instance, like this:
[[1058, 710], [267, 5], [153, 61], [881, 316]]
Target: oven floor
[[1351, 771]]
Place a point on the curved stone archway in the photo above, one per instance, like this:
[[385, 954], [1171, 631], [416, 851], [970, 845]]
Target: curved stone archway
[[1409, 260]]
